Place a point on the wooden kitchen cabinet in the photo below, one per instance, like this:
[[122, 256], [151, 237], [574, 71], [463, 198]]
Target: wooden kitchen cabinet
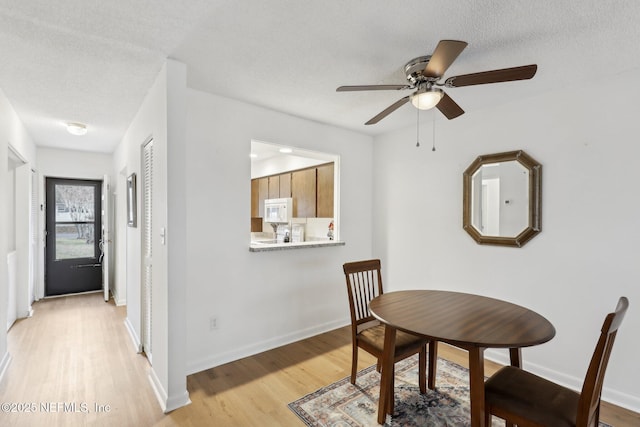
[[312, 190], [271, 187], [324, 194], [263, 194], [255, 196], [285, 185], [303, 191], [274, 187], [256, 225]]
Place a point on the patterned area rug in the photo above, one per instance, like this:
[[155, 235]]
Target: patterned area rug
[[342, 404]]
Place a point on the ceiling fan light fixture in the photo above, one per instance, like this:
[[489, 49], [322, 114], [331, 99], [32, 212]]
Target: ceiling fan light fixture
[[426, 99], [77, 129]]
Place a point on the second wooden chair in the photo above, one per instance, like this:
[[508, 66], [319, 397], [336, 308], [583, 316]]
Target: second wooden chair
[[522, 398]]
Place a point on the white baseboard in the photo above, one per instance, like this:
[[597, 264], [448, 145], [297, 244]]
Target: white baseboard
[[624, 400], [250, 350], [498, 356], [167, 404], [137, 344], [158, 390], [28, 312], [176, 402], [4, 364], [119, 301]]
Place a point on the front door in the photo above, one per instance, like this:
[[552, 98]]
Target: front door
[[73, 262]]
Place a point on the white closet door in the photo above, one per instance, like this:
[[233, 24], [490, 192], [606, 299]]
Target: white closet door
[[147, 246]]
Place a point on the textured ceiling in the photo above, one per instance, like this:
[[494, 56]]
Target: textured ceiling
[[93, 61]]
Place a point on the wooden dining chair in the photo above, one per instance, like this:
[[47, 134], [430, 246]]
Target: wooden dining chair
[[525, 399], [364, 283]]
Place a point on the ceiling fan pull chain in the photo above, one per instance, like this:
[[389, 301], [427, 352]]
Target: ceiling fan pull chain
[[434, 132], [418, 127]]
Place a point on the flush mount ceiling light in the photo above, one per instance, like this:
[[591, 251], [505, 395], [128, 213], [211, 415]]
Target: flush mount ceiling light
[[286, 150], [426, 97], [76, 128]]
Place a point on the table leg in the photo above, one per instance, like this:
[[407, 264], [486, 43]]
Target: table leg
[[433, 364], [385, 403], [515, 354], [476, 386]]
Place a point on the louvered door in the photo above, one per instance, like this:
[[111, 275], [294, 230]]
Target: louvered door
[[147, 246]]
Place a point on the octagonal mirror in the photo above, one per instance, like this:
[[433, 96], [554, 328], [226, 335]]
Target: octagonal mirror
[[501, 199]]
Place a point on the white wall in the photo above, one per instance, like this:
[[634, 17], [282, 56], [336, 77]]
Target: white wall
[[14, 134], [149, 121], [22, 156], [281, 164], [126, 160], [10, 208], [161, 117], [261, 299], [587, 254], [23, 240], [174, 259], [74, 164], [119, 231]]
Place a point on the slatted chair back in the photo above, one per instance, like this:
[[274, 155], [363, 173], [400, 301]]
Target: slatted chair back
[[589, 403], [364, 283]]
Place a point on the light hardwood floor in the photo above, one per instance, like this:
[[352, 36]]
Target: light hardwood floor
[[75, 350]]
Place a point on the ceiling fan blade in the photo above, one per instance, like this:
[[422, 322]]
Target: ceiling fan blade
[[371, 87], [446, 52], [496, 76], [449, 108], [390, 109]]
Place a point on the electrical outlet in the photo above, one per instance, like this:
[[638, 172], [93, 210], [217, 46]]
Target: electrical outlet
[[213, 323]]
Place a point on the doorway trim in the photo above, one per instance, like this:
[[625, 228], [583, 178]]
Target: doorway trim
[[20, 250]]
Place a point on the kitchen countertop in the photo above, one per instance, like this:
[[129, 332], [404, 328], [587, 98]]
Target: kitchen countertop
[[268, 247]]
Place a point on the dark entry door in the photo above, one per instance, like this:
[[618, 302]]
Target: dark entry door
[[74, 262]]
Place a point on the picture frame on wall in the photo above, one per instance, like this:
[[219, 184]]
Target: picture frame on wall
[[132, 209]]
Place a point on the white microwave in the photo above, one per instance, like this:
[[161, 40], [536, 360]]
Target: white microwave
[[278, 210]]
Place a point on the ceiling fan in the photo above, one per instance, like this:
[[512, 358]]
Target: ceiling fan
[[424, 73]]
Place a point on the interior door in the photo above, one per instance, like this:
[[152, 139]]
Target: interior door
[[105, 240], [147, 248], [73, 262]]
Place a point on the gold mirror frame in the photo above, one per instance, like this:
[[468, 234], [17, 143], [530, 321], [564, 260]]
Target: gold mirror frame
[[535, 191]]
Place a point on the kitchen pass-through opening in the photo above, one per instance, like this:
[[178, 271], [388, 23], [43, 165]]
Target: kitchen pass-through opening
[[294, 195]]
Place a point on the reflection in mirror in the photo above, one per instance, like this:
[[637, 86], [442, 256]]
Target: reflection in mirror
[[502, 199], [500, 194]]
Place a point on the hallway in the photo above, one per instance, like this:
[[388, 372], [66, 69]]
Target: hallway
[[73, 364]]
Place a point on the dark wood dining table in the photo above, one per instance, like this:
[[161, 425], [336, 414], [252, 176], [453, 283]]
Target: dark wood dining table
[[471, 322]]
